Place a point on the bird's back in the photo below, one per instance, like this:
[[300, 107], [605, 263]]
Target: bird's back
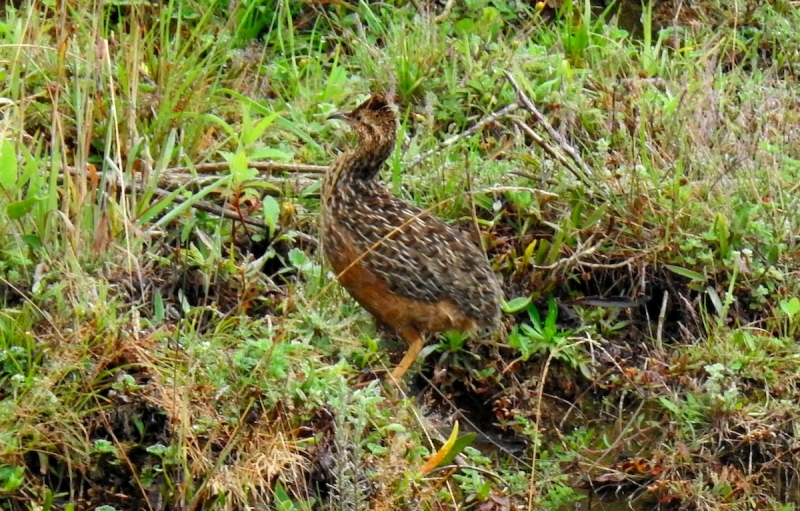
[[417, 255]]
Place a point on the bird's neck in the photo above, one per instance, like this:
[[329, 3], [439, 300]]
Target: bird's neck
[[358, 165]]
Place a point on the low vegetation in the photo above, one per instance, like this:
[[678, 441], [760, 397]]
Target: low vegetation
[[170, 337]]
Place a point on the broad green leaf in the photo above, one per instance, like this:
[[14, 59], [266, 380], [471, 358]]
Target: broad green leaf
[[521, 342], [462, 443], [282, 500], [722, 234], [159, 206], [272, 212], [791, 307], [595, 216], [683, 272], [32, 241], [282, 122], [255, 133], [166, 154], [516, 304], [773, 254], [158, 307], [152, 183], [221, 123], [542, 250], [297, 257], [301, 134], [716, 301], [11, 478], [184, 206], [8, 165], [237, 163], [465, 26], [18, 209], [270, 153], [528, 255], [669, 405]]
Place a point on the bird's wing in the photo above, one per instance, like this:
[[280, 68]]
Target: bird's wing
[[419, 256]]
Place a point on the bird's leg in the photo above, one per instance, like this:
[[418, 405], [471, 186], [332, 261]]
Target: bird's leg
[[415, 345]]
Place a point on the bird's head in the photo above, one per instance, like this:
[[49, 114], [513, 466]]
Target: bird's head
[[374, 118]]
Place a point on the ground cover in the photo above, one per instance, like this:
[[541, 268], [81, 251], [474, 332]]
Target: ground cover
[[170, 337]]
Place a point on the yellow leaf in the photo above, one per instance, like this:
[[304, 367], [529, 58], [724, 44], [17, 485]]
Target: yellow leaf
[[437, 458], [528, 257]]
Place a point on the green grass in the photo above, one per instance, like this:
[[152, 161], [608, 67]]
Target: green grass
[[154, 355]]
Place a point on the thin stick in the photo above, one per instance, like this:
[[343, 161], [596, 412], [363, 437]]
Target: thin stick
[[467, 132], [661, 318]]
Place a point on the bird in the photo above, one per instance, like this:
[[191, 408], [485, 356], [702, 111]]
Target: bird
[[413, 272]]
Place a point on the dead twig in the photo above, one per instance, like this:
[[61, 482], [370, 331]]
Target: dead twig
[[296, 185], [264, 166], [209, 208], [612, 266], [548, 148], [233, 215], [541, 119], [229, 214], [467, 132], [206, 207], [555, 135], [662, 315], [574, 259], [445, 12]]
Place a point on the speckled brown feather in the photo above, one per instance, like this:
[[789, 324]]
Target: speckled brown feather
[[405, 266]]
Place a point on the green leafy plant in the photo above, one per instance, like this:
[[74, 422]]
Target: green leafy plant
[[11, 478], [543, 336], [790, 309]]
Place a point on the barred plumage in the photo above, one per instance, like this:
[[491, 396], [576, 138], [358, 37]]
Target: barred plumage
[[409, 269]]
